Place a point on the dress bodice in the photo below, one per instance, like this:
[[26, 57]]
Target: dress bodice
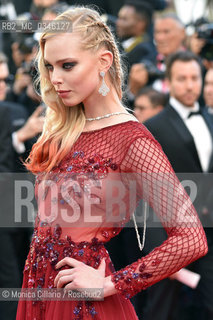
[[93, 192], [89, 194]]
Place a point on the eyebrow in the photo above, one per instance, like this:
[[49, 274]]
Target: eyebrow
[[61, 60]]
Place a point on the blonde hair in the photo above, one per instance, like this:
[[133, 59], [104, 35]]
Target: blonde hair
[[63, 125]]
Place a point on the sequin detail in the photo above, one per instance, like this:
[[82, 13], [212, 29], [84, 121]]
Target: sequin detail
[[124, 148], [48, 248], [96, 165]]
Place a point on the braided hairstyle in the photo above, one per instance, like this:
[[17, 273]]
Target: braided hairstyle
[[64, 125], [96, 34]]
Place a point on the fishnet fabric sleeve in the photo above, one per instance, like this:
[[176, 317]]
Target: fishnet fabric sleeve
[[158, 185]]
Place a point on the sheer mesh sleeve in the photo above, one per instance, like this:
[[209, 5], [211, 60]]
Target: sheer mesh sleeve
[[158, 185]]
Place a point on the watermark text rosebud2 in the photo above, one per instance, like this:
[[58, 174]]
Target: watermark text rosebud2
[[81, 200]]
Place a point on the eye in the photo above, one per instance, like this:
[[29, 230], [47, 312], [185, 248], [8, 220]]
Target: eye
[[181, 79], [48, 66], [68, 65]]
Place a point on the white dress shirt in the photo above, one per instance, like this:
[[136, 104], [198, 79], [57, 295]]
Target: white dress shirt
[[198, 129]]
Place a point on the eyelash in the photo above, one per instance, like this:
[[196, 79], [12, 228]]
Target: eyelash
[[70, 65], [66, 66]]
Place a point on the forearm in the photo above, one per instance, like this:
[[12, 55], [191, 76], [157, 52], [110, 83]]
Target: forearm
[[173, 254]]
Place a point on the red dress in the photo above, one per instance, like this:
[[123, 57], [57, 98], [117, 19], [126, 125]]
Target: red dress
[[87, 199]]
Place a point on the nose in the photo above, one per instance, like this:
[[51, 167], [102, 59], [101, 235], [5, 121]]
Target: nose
[[189, 84], [159, 39], [56, 77]]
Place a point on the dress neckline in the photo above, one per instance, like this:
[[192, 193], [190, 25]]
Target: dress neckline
[[113, 125]]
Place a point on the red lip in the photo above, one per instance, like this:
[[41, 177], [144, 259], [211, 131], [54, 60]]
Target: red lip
[[63, 93]]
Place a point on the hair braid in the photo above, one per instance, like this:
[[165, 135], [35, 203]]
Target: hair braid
[[107, 38], [64, 125]]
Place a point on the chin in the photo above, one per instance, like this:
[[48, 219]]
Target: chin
[[189, 104], [70, 103]]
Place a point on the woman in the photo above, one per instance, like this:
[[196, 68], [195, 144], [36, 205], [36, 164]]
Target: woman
[[94, 162]]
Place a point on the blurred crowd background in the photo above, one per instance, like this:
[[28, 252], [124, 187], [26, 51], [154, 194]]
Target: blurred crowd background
[[148, 34]]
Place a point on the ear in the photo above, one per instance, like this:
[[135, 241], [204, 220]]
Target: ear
[[105, 60]]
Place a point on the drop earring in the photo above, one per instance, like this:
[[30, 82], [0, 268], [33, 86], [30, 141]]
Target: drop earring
[[103, 88]]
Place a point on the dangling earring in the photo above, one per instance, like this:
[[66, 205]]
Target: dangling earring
[[103, 88]]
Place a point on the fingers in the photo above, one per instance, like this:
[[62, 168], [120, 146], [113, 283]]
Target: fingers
[[70, 286], [68, 261], [62, 281], [63, 273], [65, 276]]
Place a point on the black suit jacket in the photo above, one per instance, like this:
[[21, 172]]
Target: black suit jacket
[[18, 117], [177, 142], [143, 51], [18, 114], [6, 163]]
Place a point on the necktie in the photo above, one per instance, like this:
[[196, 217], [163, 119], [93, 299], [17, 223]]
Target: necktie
[[194, 113]]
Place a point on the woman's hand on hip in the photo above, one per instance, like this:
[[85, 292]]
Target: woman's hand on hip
[[80, 275]]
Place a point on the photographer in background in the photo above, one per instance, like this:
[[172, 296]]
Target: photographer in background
[[169, 35], [201, 41], [23, 91], [27, 47]]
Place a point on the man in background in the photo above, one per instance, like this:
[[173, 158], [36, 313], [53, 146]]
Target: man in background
[[132, 25], [169, 34], [148, 103], [185, 131]]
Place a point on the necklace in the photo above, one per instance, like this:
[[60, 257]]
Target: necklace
[[107, 116]]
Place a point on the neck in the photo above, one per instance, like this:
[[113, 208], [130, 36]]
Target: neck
[[98, 105]]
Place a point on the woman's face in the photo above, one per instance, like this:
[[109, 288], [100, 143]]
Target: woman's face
[[74, 72]]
